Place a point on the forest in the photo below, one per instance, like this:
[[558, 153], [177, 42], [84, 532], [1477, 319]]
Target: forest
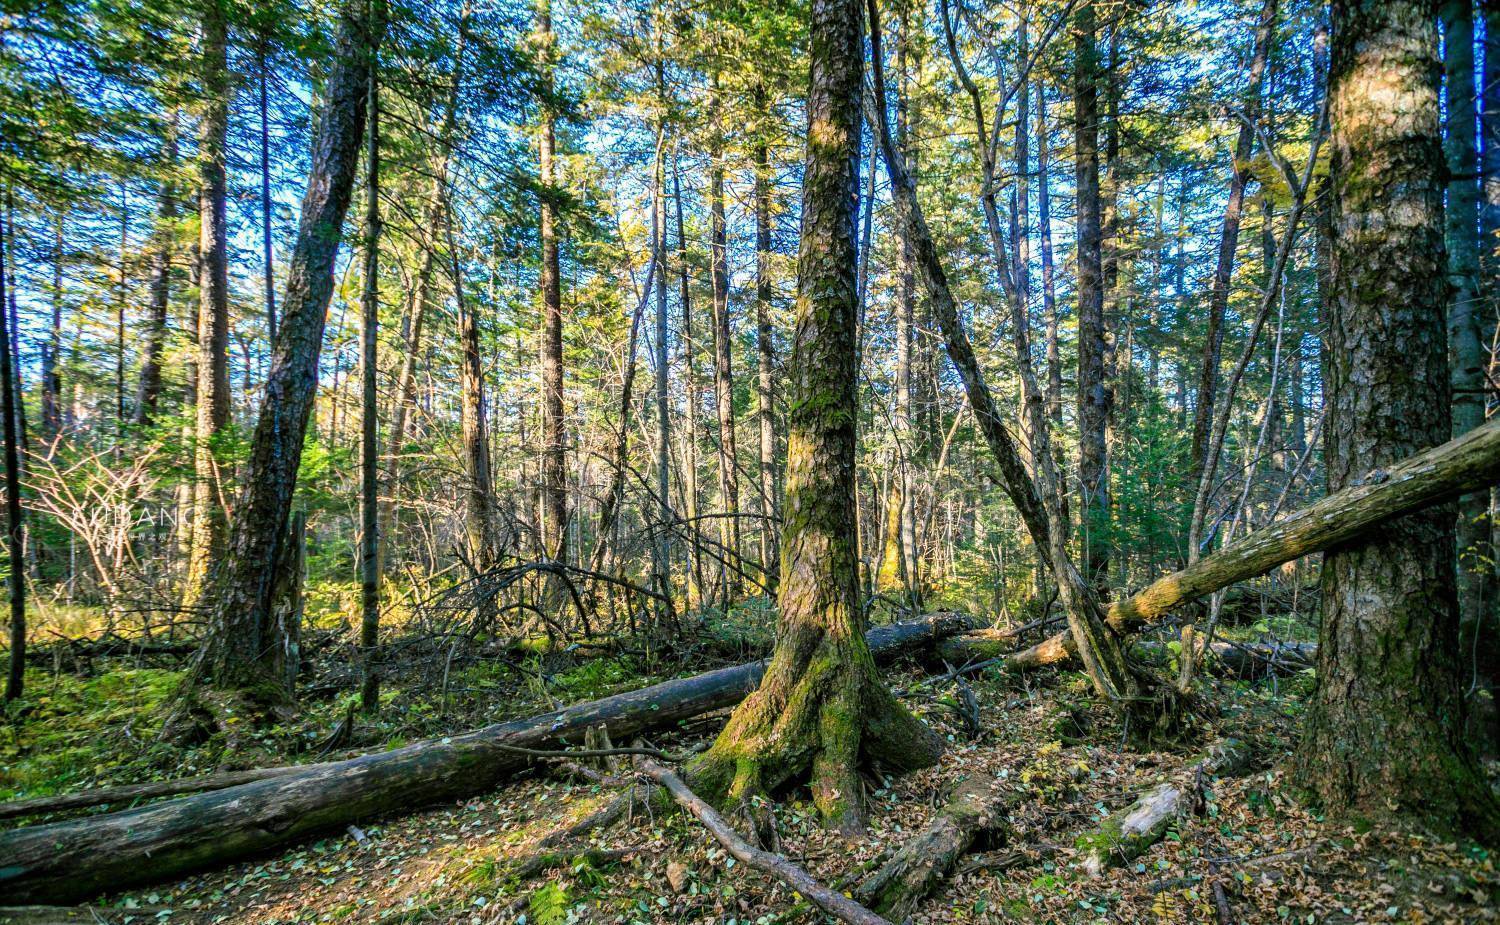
[[762, 462]]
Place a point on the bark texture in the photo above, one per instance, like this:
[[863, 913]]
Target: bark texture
[[1384, 731]]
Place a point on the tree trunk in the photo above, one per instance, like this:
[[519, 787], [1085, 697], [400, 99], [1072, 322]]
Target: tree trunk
[[898, 562], [1468, 357], [822, 708], [1036, 493], [1093, 396], [729, 491], [694, 395], [14, 530], [1229, 236], [52, 352], [245, 648], [1384, 731], [765, 350], [661, 548], [267, 255], [72, 861], [209, 523], [369, 460], [413, 320], [479, 494], [554, 432], [148, 392]]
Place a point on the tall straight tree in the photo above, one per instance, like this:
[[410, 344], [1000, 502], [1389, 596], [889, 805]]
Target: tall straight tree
[[765, 347], [208, 518], [1093, 390], [898, 565], [1467, 354], [369, 458], [1384, 731], [729, 491], [554, 428], [14, 529], [821, 708], [245, 649]]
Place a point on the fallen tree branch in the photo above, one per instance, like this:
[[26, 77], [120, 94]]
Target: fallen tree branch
[[69, 861], [1432, 477], [978, 807], [1124, 836], [835, 904]]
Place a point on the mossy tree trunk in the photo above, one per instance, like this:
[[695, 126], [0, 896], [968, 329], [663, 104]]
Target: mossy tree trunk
[[1384, 732], [821, 709]]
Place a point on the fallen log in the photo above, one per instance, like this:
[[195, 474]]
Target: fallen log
[[69, 861], [130, 793], [978, 806], [835, 904], [1124, 836], [1432, 477]]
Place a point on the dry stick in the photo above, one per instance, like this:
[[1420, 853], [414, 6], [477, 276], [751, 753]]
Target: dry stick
[[1442, 473], [835, 904]]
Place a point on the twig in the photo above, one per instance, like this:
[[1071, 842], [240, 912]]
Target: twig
[[835, 904]]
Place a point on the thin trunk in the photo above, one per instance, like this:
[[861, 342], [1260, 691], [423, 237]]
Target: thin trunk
[[729, 491], [148, 392], [267, 256], [52, 351], [694, 394], [122, 295], [554, 433], [1467, 356], [1049, 282], [765, 350], [1037, 504], [369, 460], [479, 493], [414, 318], [662, 547], [209, 526], [14, 530]]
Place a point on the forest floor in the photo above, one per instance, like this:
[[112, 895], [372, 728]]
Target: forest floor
[[1255, 854]]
